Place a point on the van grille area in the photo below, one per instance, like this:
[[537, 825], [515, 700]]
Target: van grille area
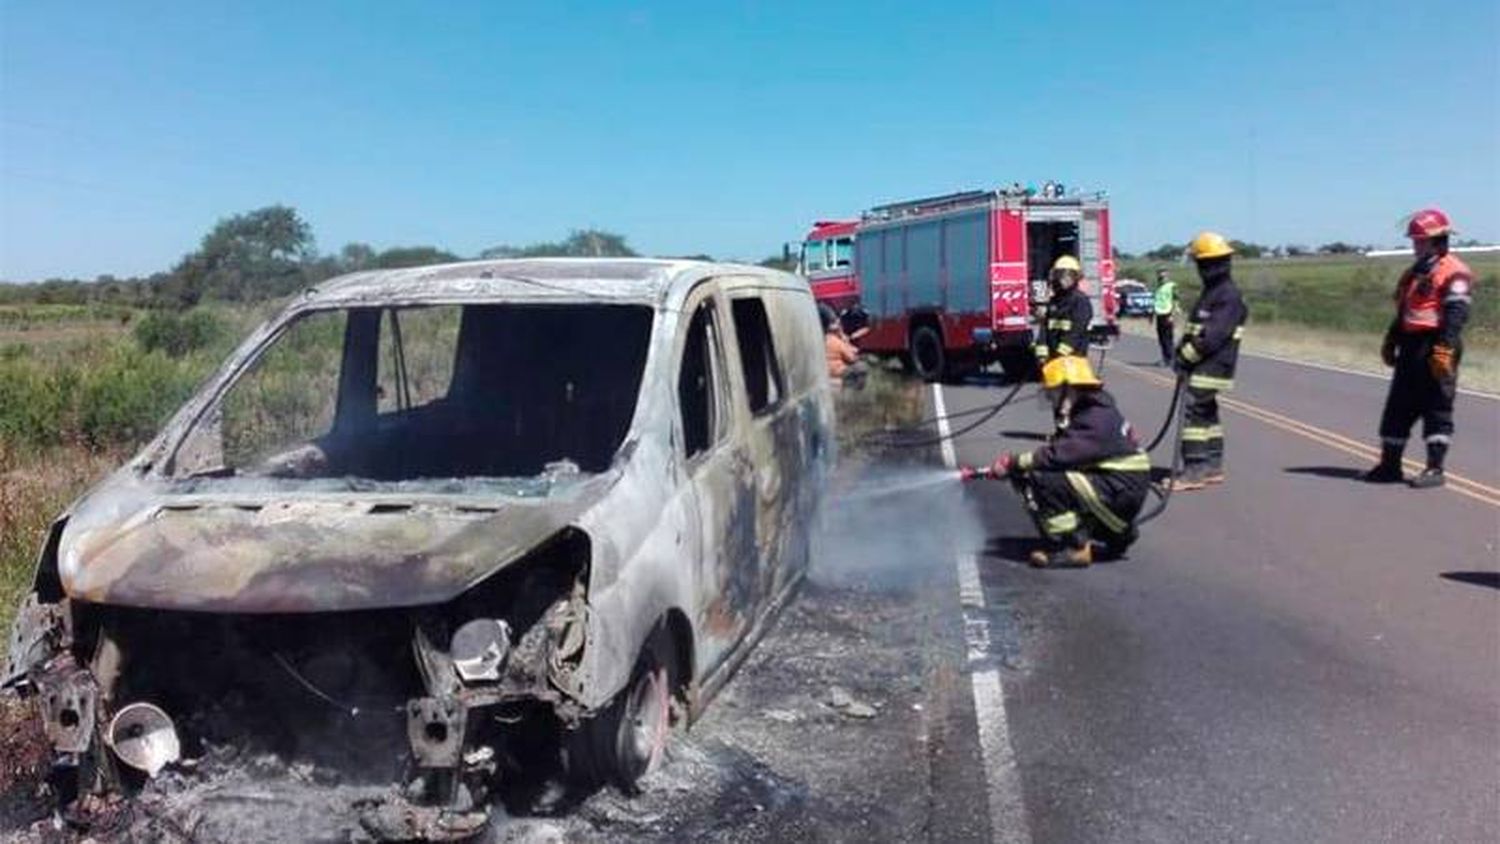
[[328, 688]]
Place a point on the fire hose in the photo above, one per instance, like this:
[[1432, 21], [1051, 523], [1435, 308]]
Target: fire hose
[[897, 438], [1163, 489]]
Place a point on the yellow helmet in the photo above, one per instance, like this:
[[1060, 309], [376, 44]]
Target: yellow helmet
[[1069, 369], [1067, 262], [1209, 245]]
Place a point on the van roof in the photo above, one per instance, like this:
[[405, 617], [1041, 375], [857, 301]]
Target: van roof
[[641, 280]]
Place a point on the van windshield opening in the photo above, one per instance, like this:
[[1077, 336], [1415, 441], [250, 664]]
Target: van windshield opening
[[427, 392]]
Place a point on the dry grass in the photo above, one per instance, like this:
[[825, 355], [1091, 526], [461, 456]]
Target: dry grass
[[890, 401], [1350, 349], [34, 489]]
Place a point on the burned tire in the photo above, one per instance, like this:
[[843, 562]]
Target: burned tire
[[928, 357], [626, 741]]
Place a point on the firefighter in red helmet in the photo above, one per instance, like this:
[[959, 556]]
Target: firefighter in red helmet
[[1424, 344]]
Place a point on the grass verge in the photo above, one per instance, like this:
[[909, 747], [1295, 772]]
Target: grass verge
[[890, 401], [1357, 350]]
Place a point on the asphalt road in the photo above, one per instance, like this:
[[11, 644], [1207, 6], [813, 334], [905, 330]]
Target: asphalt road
[[1294, 656]]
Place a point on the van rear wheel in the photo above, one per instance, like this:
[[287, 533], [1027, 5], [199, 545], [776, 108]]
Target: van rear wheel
[[928, 357]]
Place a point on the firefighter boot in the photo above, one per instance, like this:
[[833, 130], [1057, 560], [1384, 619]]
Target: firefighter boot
[[1114, 545], [1073, 552], [1191, 478], [1213, 470], [1388, 470], [1433, 475]]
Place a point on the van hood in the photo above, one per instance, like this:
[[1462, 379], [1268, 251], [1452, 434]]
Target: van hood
[[279, 551]]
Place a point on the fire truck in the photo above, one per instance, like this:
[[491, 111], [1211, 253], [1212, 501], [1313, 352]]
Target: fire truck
[[953, 283]]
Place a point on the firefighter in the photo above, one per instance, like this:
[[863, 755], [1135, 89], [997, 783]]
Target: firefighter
[[1424, 344], [1164, 308], [1090, 479], [1068, 313], [1206, 356]]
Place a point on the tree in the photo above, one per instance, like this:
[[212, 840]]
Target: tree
[[412, 256], [248, 256], [785, 262], [1338, 247], [580, 243], [1247, 250], [1165, 252], [356, 256]]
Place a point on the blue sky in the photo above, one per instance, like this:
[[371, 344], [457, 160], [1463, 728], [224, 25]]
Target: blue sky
[[126, 130]]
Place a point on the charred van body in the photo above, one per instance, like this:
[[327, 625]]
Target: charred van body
[[441, 516]]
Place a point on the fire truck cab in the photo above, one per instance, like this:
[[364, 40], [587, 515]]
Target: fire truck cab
[[952, 283]]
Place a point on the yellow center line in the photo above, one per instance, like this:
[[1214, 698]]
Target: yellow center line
[[1467, 487]]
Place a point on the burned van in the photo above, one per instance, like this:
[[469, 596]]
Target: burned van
[[438, 516]]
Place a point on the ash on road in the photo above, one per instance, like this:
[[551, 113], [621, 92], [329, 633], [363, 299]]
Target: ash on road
[[851, 721]]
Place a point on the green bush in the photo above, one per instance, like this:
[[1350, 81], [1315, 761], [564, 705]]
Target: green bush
[[107, 395], [179, 334]]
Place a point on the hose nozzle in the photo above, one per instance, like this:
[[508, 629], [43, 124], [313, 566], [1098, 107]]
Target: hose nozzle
[[973, 473]]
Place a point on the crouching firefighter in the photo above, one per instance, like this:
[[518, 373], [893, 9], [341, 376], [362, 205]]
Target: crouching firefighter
[[1089, 481], [1207, 357], [1424, 345]]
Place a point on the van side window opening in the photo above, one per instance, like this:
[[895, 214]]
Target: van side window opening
[[417, 350], [763, 384], [697, 393]]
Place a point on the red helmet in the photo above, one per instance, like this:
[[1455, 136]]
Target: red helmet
[[1429, 222]]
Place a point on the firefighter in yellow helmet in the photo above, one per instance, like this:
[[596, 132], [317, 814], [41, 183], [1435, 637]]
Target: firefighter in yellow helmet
[[1207, 356], [1066, 328], [1090, 479]]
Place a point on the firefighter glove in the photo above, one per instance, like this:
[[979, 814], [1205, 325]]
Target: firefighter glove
[[1187, 356], [1441, 362], [1003, 465], [1388, 350]]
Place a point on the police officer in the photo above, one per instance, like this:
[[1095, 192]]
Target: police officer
[[1090, 479], [1207, 356], [1164, 307], [1424, 344], [1068, 313]]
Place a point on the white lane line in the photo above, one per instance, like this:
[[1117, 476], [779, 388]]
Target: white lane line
[[1007, 810]]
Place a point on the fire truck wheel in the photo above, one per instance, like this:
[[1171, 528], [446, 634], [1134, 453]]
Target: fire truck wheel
[[928, 357]]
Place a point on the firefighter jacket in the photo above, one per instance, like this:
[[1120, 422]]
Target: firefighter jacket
[[1067, 328], [1434, 296], [1211, 348], [1094, 437]]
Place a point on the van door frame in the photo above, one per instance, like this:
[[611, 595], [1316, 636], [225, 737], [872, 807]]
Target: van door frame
[[724, 506]]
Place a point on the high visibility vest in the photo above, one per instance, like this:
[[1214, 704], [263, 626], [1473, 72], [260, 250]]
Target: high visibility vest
[[1420, 296], [1166, 297]]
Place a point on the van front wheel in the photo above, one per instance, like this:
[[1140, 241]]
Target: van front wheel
[[627, 741]]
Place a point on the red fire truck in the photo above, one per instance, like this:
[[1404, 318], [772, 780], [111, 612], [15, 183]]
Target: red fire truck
[[952, 283]]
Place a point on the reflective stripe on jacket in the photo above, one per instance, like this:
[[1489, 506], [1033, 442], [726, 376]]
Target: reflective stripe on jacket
[[1066, 329], [1212, 345]]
